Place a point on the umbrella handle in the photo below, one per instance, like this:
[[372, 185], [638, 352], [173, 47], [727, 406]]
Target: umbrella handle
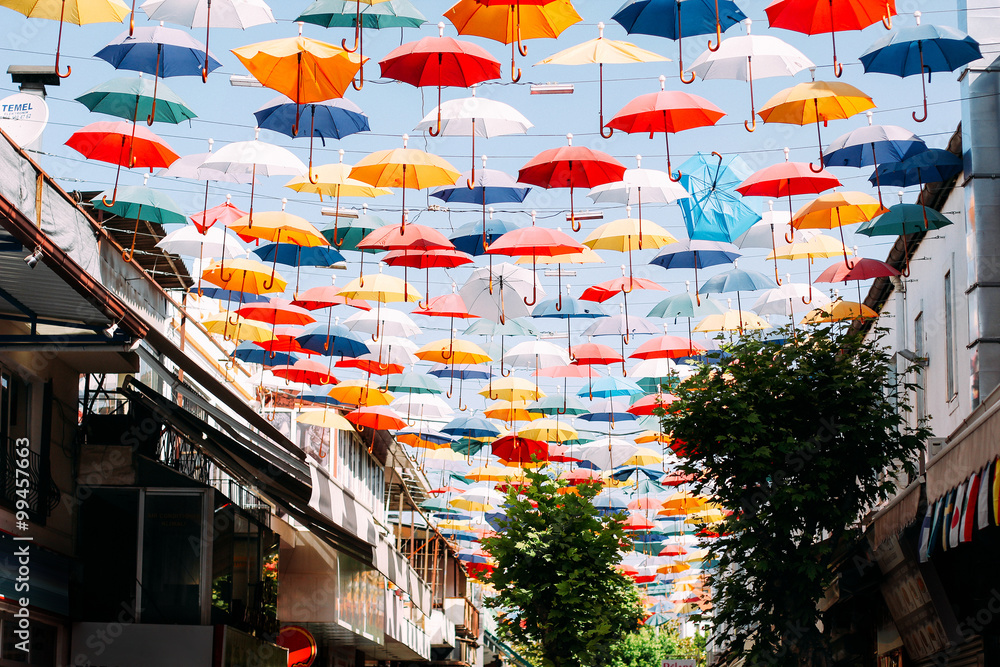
[[208, 33], [268, 285], [127, 255], [887, 19], [611, 130], [435, 131], [131, 20], [114, 197], [718, 38], [506, 373], [515, 71], [361, 70], [69, 70], [924, 86], [463, 408], [521, 48]]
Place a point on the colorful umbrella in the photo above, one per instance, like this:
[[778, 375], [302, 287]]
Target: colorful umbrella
[[919, 49], [140, 203], [695, 254], [715, 212], [602, 51], [666, 112], [837, 209], [627, 234], [77, 12], [500, 293], [838, 311], [833, 16], [571, 167], [335, 119], [673, 18], [440, 61], [810, 248], [748, 56], [128, 98], [534, 241]]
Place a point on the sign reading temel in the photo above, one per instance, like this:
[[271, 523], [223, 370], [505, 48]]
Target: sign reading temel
[[23, 118]]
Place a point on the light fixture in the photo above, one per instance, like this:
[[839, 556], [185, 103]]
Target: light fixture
[[111, 330], [552, 89], [244, 81], [585, 215], [557, 273], [339, 212], [32, 259]]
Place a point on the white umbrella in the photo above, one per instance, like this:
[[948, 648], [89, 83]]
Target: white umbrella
[[206, 14], [498, 292], [422, 406], [659, 367], [260, 157], [387, 322], [536, 354], [640, 185], [782, 300], [747, 57], [474, 117], [607, 452], [188, 241]]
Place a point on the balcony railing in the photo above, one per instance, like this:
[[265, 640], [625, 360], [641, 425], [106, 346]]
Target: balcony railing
[[41, 493], [464, 615]]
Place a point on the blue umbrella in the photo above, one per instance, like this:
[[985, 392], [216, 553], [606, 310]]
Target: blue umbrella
[[688, 306], [736, 280], [918, 49], [321, 399], [934, 165], [460, 371], [470, 427], [872, 145], [334, 119], [250, 353], [675, 18], [233, 295], [695, 254], [624, 473], [715, 211], [609, 387], [609, 410], [162, 52], [568, 309], [469, 237], [332, 340], [290, 254]]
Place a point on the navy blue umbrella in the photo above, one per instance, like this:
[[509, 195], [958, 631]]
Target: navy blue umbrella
[[290, 254], [460, 371], [335, 340], [695, 255], [873, 145], [162, 52], [250, 353], [935, 165], [469, 237], [233, 295], [675, 18], [919, 49]]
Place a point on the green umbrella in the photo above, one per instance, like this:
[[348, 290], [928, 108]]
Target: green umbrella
[[559, 405], [414, 383], [350, 232], [903, 219], [132, 98], [141, 203], [349, 14]]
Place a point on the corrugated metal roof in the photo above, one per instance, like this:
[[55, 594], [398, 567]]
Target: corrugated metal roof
[[40, 290]]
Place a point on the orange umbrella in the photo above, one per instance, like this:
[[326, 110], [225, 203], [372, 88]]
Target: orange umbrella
[[836, 209]]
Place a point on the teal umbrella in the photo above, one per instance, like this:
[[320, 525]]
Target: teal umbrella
[[130, 98], [349, 14], [558, 405], [904, 219], [686, 305], [414, 383], [143, 204]]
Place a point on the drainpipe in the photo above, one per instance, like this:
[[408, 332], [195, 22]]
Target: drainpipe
[[980, 93]]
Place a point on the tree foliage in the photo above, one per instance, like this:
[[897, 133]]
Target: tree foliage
[[794, 439], [651, 646], [557, 588]]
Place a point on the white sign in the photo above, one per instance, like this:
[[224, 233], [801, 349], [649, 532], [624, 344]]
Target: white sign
[[679, 663], [23, 117]]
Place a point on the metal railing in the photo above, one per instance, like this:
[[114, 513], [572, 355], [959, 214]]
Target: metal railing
[[41, 493], [243, 498]]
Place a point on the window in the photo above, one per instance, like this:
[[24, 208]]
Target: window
[[358, 472], [949, 335], [918, 343]]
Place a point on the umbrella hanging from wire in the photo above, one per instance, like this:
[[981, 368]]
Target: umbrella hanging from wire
[[810, 248], [746, 57], [715, 211], [130, 98], [378, 14], [654, 186], [602, 51], [333, 119], [144, 204], [675, 18], [695, 254], [837, 209]]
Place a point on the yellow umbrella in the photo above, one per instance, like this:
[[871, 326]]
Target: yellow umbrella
[[453, 351], [820, 245], [510, 411], [644, 457], [380, 287], [627, 234], [326, 419], [471, 506], [673, 568], [549, 430], [244, 275], [815, 102], [732, 320], [492, 474], [602, 51], [77, 12], [836, 209], [512, 388], [238, 328], [360, 392], [443, 454], [279, 227], [404, 168], [652, 436], [511, 23], [839, 310], [682, 503]]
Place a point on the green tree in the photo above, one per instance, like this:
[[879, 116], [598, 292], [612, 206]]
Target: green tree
[[557, 588], [651, 646], [795, 441]]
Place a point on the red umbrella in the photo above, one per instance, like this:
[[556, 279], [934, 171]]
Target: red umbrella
[[594, 354], [376, 417], [784, 180], [446, 305], [440, 61], [676, 479], [327, 296], [224, 213], [582, 476], [123, 144], [371, 366], [557, 453], [534, 241], [863, 269], [648, 404], [672, 549], [276, 311], [667, 347], [437, 258], [306, 371], [410, 237], [666, 111], [636, 522], [571, 167], [814, 17], [601, 292], [284, 341], [515, 449]]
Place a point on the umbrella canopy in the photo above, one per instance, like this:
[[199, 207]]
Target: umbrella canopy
[[667, 347], [715, 212], [244, 275], [732, 320], [191, 242], [638, 185], [512, 389], [327, 119], [837, 209], [133, 98], [934, 165], [815, 18], [747, 57], [332, 340], [602, 51], [571, 167], [872, 144], [696, 254], [499, 293], [919, 49], [782, 300], [862, 269], [838, 311]]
